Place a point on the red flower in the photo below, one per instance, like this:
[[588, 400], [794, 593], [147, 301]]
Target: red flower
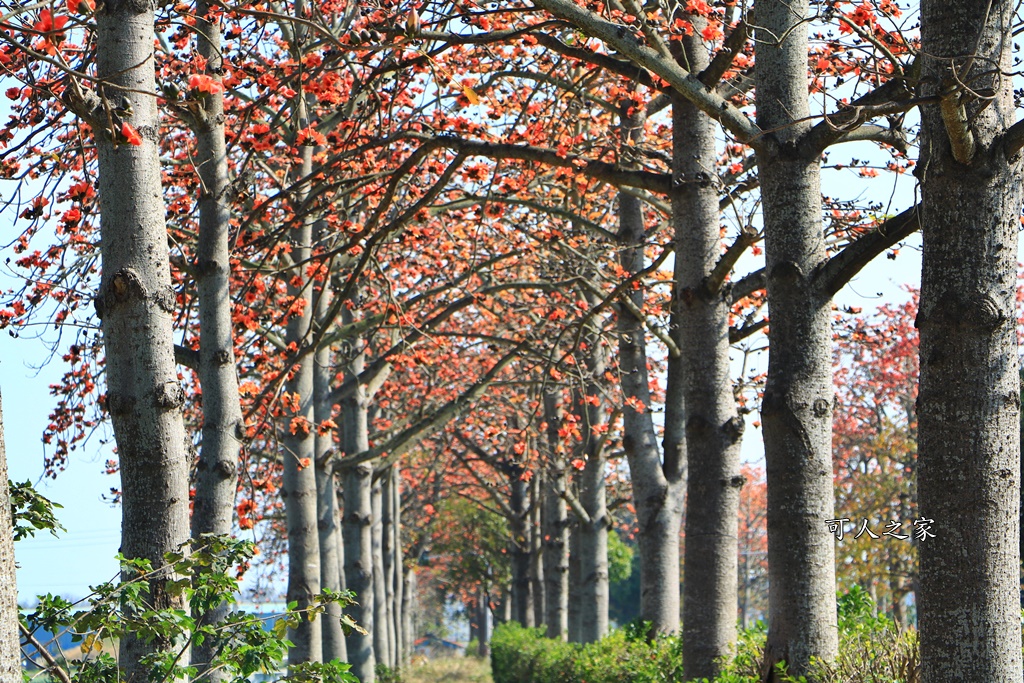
[[131, 136], [81, 6], [204, 83]]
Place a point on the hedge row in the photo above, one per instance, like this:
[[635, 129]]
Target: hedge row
[[524, 655], [871, 650]]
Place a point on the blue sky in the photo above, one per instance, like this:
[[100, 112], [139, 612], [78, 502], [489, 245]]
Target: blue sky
[[84, 554]]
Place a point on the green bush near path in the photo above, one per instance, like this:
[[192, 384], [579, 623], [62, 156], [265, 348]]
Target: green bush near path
[[872, 649], [524, 655]]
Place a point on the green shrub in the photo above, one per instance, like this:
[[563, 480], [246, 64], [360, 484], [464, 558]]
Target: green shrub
[[872, 649], [385, 674], [522, 655]]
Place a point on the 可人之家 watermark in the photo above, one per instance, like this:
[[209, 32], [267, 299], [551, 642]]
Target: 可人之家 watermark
[[921, 529]]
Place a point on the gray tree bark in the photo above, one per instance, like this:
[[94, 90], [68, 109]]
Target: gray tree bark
[[575, 611], [223, 427], [703, 399], [357, 483], [298, 459], [135, 302], [657, 490], [556, 525], [591, 527], [331, 554], [593, 561], [357, 534], [10, 643], [381, 645], [519, 546], [798, 397], [484, 637], [537, 550], [397, 562], [408, 609], [969, 400], [388, 542]]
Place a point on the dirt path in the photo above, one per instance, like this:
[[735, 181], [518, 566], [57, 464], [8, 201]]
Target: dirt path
[[450, 670]]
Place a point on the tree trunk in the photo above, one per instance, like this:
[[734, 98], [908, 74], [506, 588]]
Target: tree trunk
[[522, 601], [798, 397], [592, 527], [358, 540], [483, 605], [397, 575], [556, 526], [358, 518], [408, 608], [388, 543], [331, 556], [713, 426], [223, 427], [299, 480], [135, 303], [968, 438], [537, 550], [10, 643], [381, 645], [575, 611], [593, 551], [657, 491]]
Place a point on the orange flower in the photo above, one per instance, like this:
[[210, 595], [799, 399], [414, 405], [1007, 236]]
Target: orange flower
[[204, 83], [130, 135], [81, 6]]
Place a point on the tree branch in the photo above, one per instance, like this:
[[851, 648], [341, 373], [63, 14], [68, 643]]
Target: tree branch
[[622, 39], [733, 45], [1013, 139], [402, 442], [599, 170], [748, 284], [841, 268]]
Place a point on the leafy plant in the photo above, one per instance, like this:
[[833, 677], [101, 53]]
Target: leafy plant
[[31, 511], [205, 572]]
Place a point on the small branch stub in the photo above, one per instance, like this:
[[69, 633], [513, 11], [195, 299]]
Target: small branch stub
[[954, 117]]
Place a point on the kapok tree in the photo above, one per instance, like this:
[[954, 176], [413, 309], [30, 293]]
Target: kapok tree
[[969, 401], [875, 439]]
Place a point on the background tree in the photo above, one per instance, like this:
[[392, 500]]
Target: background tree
[[875, 441]]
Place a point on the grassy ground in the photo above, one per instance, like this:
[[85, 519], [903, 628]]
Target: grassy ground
[[449, 670]]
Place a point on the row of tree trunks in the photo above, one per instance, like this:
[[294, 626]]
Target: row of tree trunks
[[390, 641]]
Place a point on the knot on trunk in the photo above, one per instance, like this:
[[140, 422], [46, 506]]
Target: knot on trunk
[[821, 407], [169, 395], [125, 284], [733, 428], [225, 469], [165, 299], [985, 312], [786, 272]]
